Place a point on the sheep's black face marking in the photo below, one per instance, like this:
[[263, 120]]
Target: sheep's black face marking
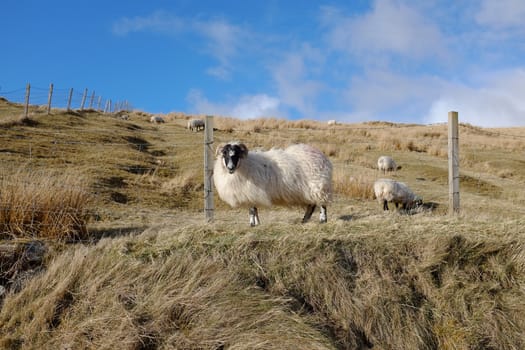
[[231, 156]]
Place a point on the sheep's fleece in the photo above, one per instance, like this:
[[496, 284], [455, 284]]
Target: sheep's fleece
[[386, 163], [387, 190], [298, 175]]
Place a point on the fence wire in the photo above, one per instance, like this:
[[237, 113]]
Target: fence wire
[[60, 98]]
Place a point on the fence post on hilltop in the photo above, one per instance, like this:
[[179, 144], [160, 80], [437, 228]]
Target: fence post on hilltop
[[453, 163], [99, 103], [49, 97], [91, 100], [84, 95], [26, 107], [69, 99], [107, 106], [208, 168]]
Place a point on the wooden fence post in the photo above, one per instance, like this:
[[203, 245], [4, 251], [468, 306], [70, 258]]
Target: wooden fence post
[[208, 168], [49, 97], [99, 103], [84, 95], [453, 163], [26, 107], [91, 100], [69, 99]]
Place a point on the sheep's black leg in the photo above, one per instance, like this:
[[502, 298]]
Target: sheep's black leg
[[385, 205], [254, 217], [323, 217], [309, 211]]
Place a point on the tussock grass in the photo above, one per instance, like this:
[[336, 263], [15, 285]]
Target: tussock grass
[[45, 204], [357, 187], [437, 284]]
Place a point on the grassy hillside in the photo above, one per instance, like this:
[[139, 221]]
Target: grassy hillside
[[144, 270]]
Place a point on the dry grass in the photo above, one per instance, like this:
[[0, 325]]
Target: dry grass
[[46, 204], [154, 275], [433, 285], [357, 187]]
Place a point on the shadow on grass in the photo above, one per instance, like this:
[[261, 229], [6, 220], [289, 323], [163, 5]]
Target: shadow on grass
[[97, 234], [346, 217]]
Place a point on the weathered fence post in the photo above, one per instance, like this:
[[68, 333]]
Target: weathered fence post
[[26, 107], [91, 100], [69, 99], [208, 168], [84, 95], [453, 163], [99, 103], [49, 97]]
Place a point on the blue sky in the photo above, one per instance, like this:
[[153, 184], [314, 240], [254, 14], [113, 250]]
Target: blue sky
[[394, 60]]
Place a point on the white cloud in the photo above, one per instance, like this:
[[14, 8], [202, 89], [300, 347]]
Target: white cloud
[[390, 28], [221, 39], [381, 94], [159, 21], [245, 107], [501, 13], [255, 106], [500, 101], [295, 84]]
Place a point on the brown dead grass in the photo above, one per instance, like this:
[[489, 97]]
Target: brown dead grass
[[163, 278], [357, 187], [399, 286], [45, 204]]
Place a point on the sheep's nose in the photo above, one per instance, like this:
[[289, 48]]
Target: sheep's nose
[[231, 167]]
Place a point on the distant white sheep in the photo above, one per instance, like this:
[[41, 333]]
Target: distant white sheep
[[156, 119], [386, 163], [332, 122], [196, 124], [299, 175], [387, 190]]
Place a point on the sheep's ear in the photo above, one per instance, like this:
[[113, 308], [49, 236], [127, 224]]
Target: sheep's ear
[[219, 149], [244, 150]]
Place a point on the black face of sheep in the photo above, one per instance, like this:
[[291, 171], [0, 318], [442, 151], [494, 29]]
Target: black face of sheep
[[232, 155]]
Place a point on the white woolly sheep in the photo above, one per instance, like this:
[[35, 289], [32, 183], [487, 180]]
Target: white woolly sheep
[[388, 190], [195, 124], [299, 175], [386, 163], [157, 119], [332, 122]]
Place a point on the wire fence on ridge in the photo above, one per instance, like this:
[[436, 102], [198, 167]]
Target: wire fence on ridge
[[63, 98], [62, 140]]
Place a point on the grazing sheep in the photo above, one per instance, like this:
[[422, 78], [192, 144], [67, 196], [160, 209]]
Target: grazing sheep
[[386, 163], [387, 190], [299, 175], [195, 124], [332, 122], [157, 119]]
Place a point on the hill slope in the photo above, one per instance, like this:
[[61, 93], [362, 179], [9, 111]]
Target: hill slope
[[155, 275]]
